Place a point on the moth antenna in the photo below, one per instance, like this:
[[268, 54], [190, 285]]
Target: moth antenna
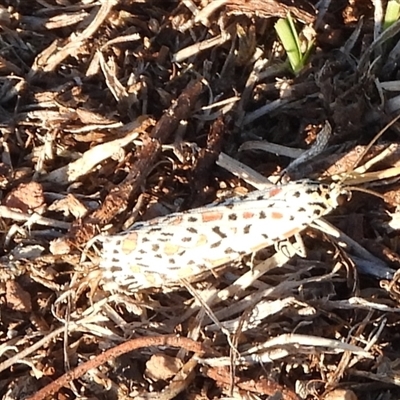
[[368, 191], [368, 148]]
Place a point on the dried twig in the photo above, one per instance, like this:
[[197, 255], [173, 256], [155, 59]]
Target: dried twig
[[130, 345]]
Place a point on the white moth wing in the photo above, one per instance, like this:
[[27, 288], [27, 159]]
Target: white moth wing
[[186, 244]]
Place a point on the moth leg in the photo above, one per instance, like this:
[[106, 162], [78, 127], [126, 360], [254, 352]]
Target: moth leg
[[289, 248], [91, 244], [299, 246]]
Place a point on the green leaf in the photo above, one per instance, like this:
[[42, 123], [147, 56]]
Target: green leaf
[[292, 44], [392, 13]]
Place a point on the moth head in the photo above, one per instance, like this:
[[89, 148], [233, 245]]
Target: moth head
[[339, 195]]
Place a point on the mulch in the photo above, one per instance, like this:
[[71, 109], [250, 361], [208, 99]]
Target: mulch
[[119, 111]]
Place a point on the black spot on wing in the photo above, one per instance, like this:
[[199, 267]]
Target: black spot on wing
[[218, 231], [229, 250], [216, 244], [167, 234], [317, 212]]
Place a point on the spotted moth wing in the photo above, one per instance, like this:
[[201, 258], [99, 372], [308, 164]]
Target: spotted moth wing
[[185, 244]]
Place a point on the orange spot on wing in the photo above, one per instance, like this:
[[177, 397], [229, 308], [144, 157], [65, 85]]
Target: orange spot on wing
[[219, 261], [292, 232], [129, 244], [201, 241], [186, 272], [248, 215], [176, 221], [276, 215], [151, 280], [135, 268], [171, 249], [273, 192], [210, 216]]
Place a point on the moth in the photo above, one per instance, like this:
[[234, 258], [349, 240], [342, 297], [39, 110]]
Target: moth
[[164, 250]]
